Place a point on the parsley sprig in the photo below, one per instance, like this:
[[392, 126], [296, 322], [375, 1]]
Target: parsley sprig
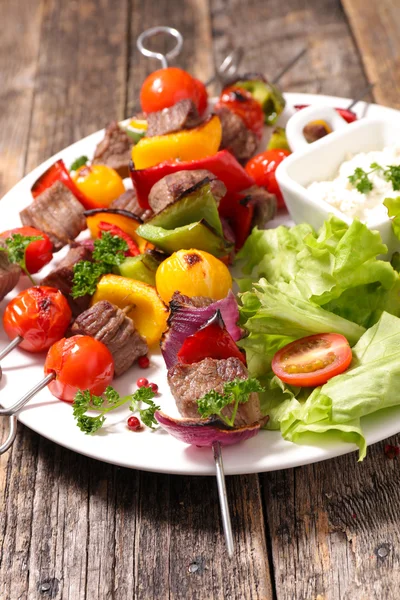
[[84, 402], [360, 178], [235, 392], [109, 252], [78, 163], [16, 246]]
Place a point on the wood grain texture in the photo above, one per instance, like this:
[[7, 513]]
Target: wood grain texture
[[18, 62], [334, 528], [376, 27], [272, 32]]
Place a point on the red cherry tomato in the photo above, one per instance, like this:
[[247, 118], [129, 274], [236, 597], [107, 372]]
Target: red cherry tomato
[[166, 87], [202, 96], [79, 363], [242, 103], [312, 360], [40, 315], [38, 253], [262, 168]]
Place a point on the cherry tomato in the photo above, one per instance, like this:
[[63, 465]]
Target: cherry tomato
[[262, 168], [79, 363], [242, 103], [40, 315], [312, 360], [100, 184], [166, 87], [38, 253], [202, 96]]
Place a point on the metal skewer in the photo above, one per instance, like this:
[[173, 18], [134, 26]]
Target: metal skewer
[[12, 410], [223, 498], [17, 340], [289, 66], [361, 95], [229, 66], [154, 31]]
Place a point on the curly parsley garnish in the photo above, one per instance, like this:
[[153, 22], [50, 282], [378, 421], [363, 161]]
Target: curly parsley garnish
[[360, 178], [84, 401], [235, 392], [16, 246], [109, 251], [78, 163]]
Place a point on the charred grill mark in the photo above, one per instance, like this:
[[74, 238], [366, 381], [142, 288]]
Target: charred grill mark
[[192, 259]]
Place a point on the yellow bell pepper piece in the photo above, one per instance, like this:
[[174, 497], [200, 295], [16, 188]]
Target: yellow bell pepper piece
[[190, 144], [148, 312]]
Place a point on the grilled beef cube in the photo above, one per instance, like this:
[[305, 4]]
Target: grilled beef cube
[[182, 115], [56, 212], [114, 150], [315, 131], [264, 205], [172, 187], [128, 201], [178, 300], [62, 278], [9, 273], [236, 137], [188, 383], [110, 325]]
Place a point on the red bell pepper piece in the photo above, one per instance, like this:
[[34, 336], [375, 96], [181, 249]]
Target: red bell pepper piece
[[223, 165], [211, 341], [133, 249], [59, 172], [348, 115], [235, 208]]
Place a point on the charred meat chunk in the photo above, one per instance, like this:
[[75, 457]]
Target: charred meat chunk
[[182, 115], [189, 383], [172, 187], [114, 150], [315, 131], [264, 205], [128, 201], [63, 275], [178, 300], [110, 325], [9, 273], [56, 212], [236, 137]]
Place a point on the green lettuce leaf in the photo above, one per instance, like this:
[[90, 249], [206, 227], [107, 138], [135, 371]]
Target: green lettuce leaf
[[393, 206], [371, 384]]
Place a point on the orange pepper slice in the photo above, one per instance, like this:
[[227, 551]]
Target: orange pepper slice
[[127, 224]]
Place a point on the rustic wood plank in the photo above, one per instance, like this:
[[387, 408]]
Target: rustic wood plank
[[81, 79], [376, 27], [272, 32], [191, 19], [334, 528], [18, 63]]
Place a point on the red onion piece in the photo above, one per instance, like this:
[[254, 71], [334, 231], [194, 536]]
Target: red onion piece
[[185, 319], [204, 432]]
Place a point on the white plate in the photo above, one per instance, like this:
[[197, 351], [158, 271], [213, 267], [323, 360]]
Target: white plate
[[157, 451]]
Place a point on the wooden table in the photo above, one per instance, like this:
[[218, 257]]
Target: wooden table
[[74, 528]]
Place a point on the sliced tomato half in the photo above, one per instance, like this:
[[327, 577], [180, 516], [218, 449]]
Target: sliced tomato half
[[312, 360]]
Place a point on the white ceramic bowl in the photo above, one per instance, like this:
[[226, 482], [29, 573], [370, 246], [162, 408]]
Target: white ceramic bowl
[[320, 161]]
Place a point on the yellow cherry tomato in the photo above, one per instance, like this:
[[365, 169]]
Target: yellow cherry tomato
[[99, 183], [147, 311], [193, 273], [190, 144]]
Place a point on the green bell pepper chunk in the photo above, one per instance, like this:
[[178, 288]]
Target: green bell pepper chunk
[[268, 95], [199, 204], [278, 140], [197, 235], [142, 268]]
